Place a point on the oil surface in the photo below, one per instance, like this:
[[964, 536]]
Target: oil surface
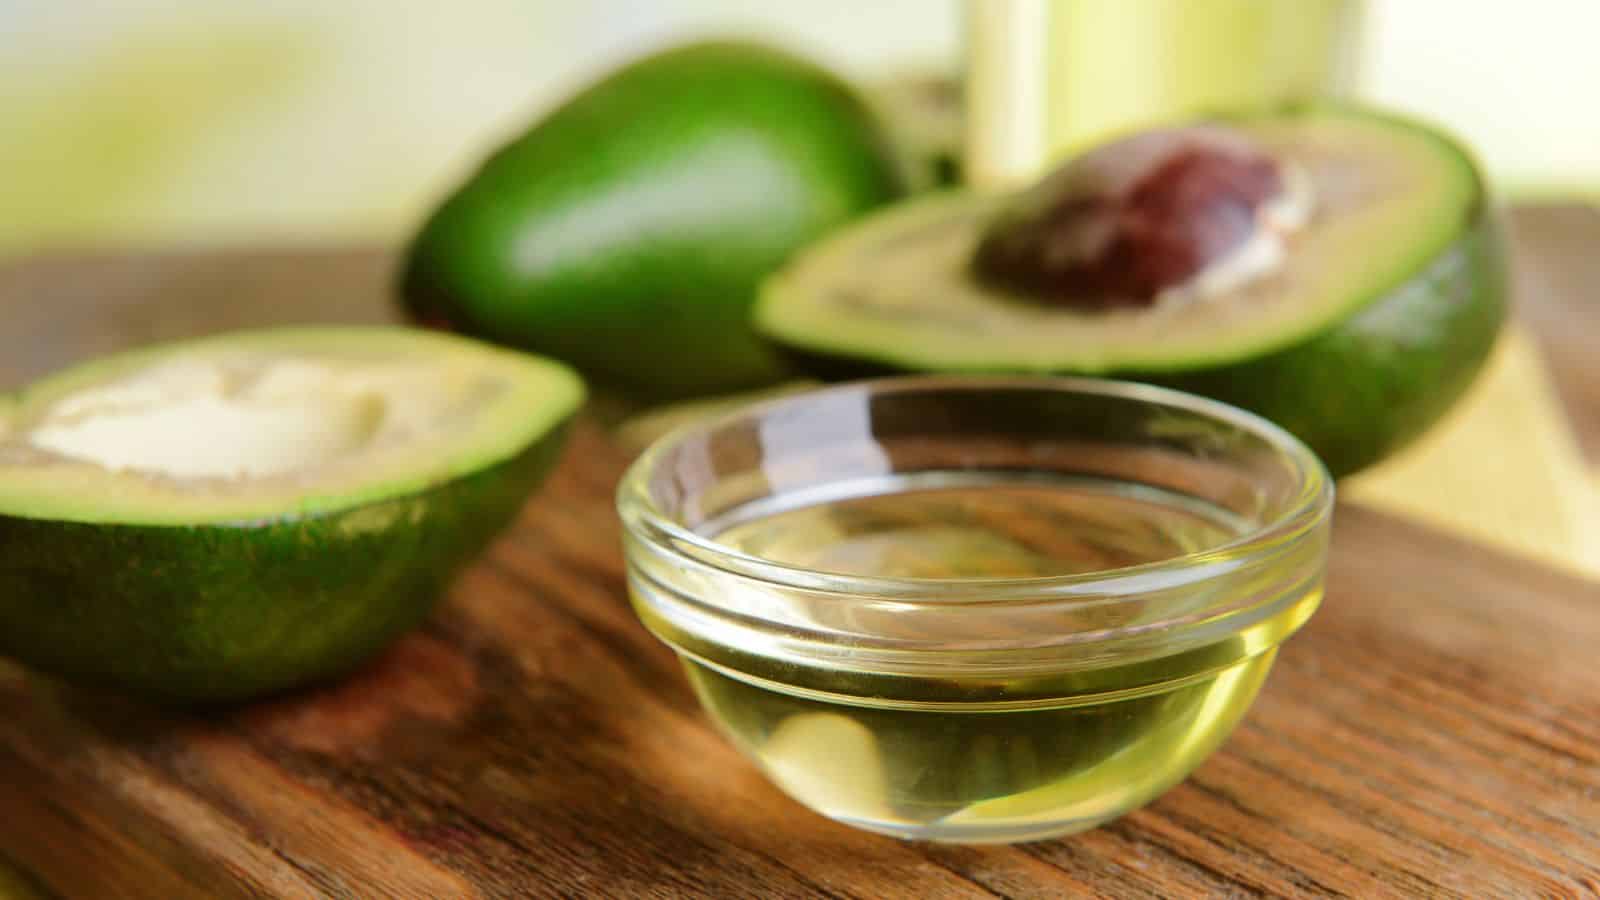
[[931, 763], [989, 529]]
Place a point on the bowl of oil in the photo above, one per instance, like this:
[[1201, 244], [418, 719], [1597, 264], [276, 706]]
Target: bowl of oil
[[977, 610]]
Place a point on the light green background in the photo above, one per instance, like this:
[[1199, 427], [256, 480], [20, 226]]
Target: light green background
[[158, 121]]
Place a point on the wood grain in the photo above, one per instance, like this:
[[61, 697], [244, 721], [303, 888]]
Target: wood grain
[[1434, 731]]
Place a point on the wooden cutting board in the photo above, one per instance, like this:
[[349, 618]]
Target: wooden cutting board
[[1435, 729]]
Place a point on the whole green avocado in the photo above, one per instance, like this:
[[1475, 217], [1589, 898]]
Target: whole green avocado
[[628, 231]]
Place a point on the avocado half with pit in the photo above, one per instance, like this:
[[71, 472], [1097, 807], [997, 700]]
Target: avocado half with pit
[[234, 515], [1336, 270]]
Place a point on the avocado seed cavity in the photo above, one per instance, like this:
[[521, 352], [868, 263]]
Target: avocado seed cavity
[[253, 416]]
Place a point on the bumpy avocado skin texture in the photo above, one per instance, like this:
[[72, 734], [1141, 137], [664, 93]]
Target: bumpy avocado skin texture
[[628, 231], [197, 615]]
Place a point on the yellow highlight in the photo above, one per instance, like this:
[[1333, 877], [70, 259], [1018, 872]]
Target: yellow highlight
[[1503, 468], [1115, 66]]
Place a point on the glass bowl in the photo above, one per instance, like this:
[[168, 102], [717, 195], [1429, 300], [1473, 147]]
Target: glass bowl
[[977, 609]]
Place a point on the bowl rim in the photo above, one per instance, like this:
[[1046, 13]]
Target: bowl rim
[[1310, 504]]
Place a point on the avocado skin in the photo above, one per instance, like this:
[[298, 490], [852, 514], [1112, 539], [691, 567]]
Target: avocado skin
[[1373, 383], [206, 614], [627, 232], [1364, 387]]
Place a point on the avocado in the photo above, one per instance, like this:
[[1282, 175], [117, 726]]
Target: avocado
[[628, 231], [1353, 316], [226, 517]]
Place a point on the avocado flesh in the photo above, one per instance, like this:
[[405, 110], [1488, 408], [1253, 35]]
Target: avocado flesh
[[628, 231], [1383, 307], [335, 480]]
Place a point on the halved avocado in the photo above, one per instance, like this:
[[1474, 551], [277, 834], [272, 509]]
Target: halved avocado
[[229, 516], [1383, 307]]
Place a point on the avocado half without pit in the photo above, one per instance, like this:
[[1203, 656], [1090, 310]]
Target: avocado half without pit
[[1336, 270], [230, 516]]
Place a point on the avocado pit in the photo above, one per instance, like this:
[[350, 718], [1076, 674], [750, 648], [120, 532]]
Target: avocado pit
[[1161, 215]]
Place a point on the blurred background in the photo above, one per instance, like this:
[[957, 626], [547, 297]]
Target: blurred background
[[185, 121]]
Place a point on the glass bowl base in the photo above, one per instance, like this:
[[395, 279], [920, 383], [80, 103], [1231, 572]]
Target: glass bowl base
[[950, 833]]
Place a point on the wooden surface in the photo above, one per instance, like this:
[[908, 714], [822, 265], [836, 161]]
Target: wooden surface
[[1558, 291], [1434, 731]]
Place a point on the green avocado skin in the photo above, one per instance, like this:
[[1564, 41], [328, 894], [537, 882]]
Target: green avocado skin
[[628, 231], [197, 615], [1362, 388], [1373, 383]]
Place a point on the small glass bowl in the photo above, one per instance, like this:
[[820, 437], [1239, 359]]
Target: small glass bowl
[[967, 707]]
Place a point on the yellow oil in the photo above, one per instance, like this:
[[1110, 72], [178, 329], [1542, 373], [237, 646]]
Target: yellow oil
[[963, 758], [991, 529]]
